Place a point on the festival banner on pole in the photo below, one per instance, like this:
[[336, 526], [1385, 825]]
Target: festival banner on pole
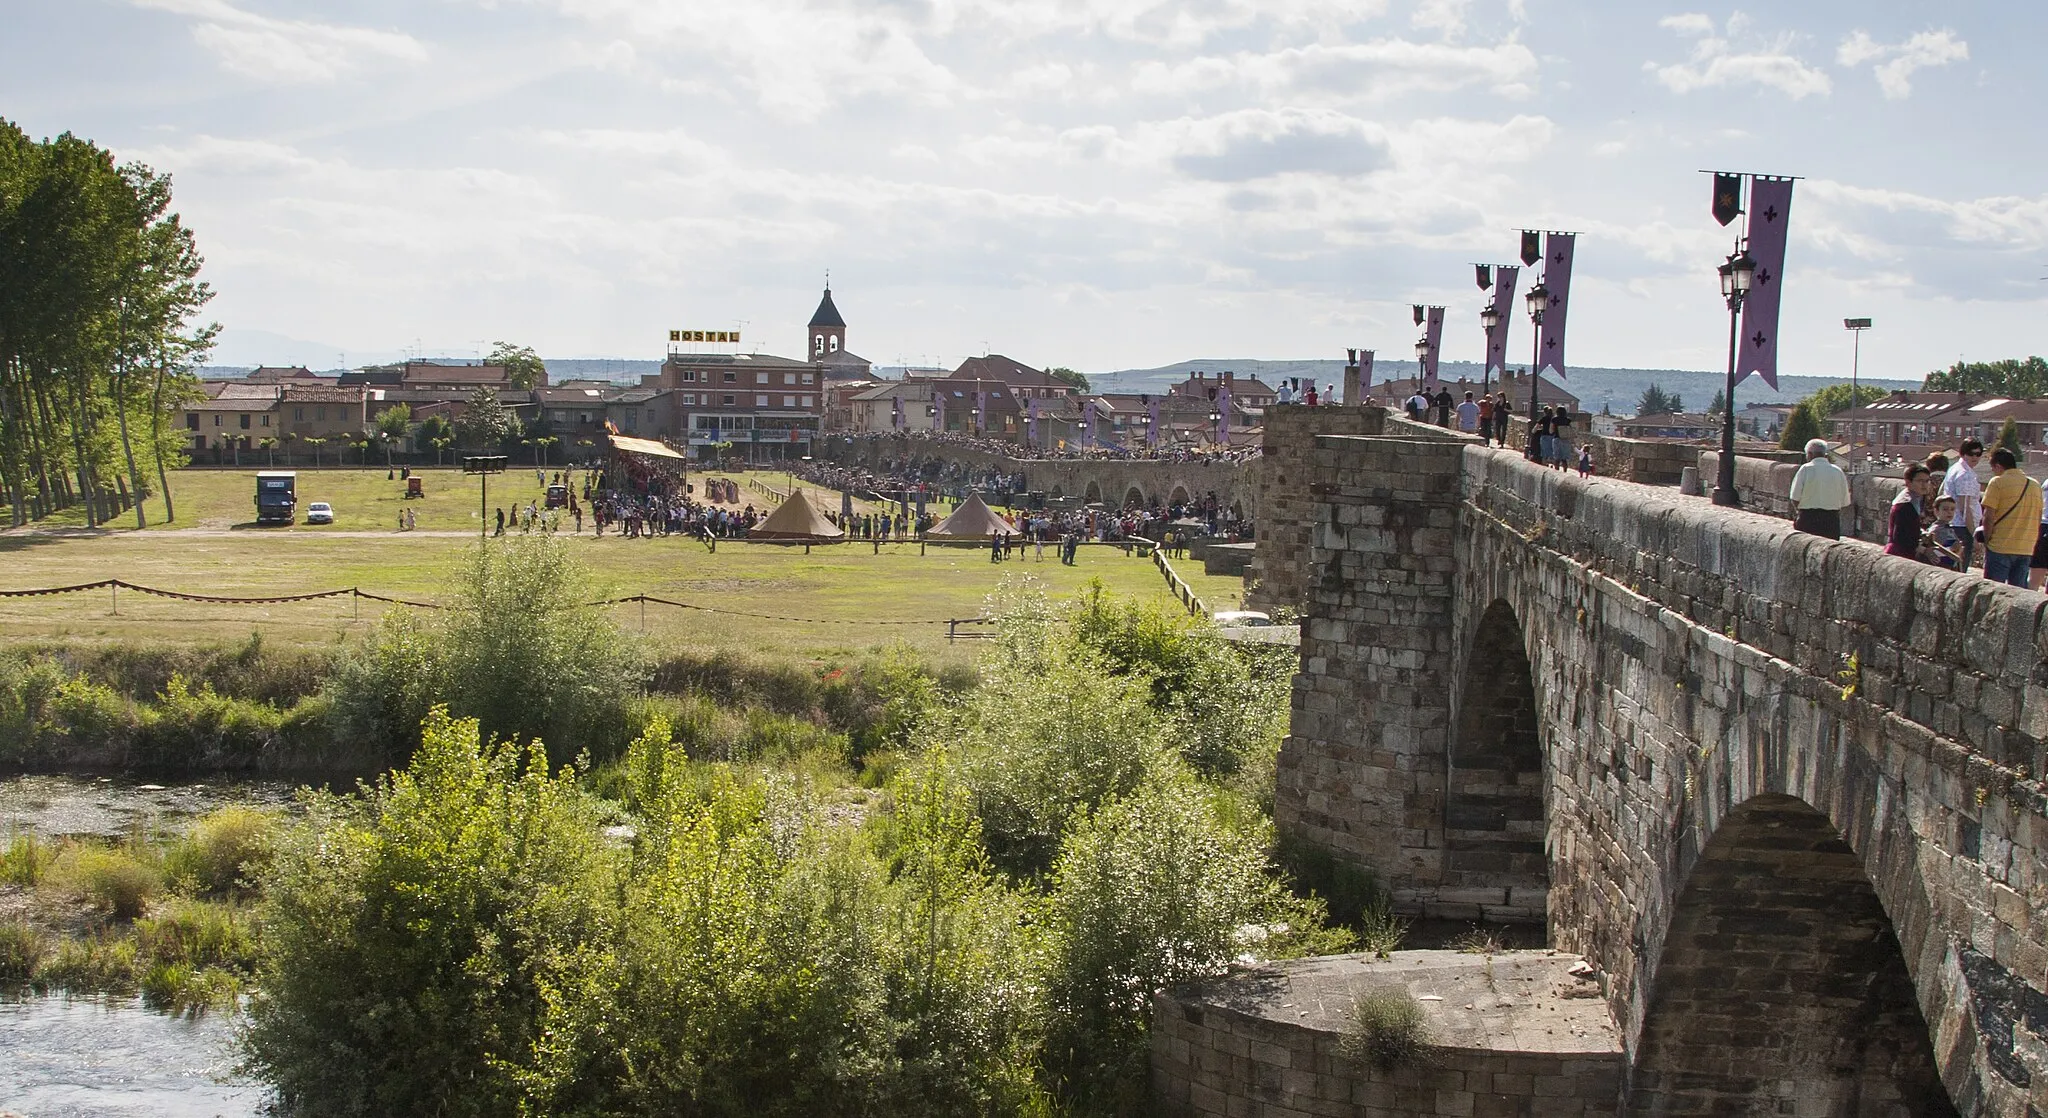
[[938, 409], [1557, 276], [1364, 377], [1532, 247], [1087, 424], [1435, 335], [896, 412], [1770, 211], [1152, 428], [1727, 197], [1031, 424], [1504, 279], [1223, 415], [980, 411]]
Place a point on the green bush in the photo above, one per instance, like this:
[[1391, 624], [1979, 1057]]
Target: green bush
[[197, 934], [101, 964], [203, 728], [185, 991], [407, 943], [22, 949], [1387, 1030], [222, 851], [25, 860], [519, 651], [119, 882]]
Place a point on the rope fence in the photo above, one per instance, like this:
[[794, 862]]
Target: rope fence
[[115, 585]]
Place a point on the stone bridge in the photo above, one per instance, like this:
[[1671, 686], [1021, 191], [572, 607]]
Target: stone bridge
[[1114, 481], [1782, 792]]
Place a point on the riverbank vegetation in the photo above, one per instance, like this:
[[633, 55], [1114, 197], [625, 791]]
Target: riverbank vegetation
[[598, 882]]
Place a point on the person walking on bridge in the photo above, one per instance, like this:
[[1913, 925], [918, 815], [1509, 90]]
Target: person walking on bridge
[[1820, 491], [2012, 520], [1961, 483]]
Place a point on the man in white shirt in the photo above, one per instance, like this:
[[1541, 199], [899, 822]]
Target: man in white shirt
[[1468, 415], [1418, 406], [1820, 491], [1961, 483]]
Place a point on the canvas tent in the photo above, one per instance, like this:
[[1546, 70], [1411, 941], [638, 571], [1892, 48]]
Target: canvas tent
[[796, 519], [973, 520]]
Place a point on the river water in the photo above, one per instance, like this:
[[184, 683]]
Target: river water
[[111, 1058]]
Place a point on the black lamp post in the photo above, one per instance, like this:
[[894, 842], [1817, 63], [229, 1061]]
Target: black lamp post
[[1421, 369], [1737, 273], [1539, 302]]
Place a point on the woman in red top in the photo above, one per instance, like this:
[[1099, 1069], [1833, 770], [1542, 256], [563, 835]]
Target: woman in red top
[[1903, 540]]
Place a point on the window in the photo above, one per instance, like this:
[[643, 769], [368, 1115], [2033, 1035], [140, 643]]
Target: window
[[727, 399], [690, 375], [760, 401], [760, 378], [807, 378], [807, 401], [789, 401], [191, 423], [732, 378], [689, 397], [266, 419], [245, 421], [582, 418], [298, 415], [789, 378], [319, 414], [216, 421]]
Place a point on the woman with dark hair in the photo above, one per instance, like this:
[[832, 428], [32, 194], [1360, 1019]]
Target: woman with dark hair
[[1906, 515]]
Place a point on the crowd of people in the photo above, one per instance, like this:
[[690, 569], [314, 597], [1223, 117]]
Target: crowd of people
[[1200, 454], [1944, 513]]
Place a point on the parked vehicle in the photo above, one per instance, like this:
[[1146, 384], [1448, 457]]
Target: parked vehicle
[[413, 488], [319, 512], [558, 496], [277, 496], [1242, 619]]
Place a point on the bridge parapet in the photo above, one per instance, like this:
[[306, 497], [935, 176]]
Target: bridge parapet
[[1748, 753]]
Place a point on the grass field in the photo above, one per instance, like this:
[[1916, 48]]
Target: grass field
[[834, 600]]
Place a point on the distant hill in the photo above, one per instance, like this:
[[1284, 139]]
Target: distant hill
[[1616, 389]]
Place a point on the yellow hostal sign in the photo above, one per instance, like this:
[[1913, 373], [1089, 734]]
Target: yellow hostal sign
[[721, 337]]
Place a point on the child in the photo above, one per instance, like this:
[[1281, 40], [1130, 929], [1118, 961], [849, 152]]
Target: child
[[1940, 540], [1585, 459]]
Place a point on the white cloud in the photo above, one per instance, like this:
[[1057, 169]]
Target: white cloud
[[288, 51], [1896, 63], [1715, 62], [1258, 143], [1688, 23], [1447, 16], [1377, 68]]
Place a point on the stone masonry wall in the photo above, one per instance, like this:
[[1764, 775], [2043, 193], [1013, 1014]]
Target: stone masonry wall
[[1276, 579], [1686, 660], [1766, 487]]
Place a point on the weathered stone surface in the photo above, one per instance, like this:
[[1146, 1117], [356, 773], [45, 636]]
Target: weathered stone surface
[[1511, 1037], [1689, 668]]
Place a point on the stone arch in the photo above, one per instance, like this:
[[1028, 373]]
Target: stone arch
[[1781, 987], [1059, 493], [1134, 496], [1494, 792], [1093, 494], [1179, 496]]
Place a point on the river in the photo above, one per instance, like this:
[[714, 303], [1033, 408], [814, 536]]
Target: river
[[109, 1057]]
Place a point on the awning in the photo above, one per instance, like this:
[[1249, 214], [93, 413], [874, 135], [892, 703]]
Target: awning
[[644, 446]]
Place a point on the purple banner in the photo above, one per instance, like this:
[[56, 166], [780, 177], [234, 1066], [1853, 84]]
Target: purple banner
[[1364, 377], [896, 412], [1434, 332], [980, 411], [1087, 424], [1504, 306], [938, 409], [1031, 424], [1223, 415], [1770, 211], [1557, 276], [1152, 428]]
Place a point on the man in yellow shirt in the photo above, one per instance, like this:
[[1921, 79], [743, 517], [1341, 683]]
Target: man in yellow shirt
[[2012, 520]]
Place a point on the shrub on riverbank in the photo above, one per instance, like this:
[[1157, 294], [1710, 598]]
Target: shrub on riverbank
[[985, 938]]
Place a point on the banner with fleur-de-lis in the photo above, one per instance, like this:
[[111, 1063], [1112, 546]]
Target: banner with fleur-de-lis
[[1770, 211], [1557, 279]]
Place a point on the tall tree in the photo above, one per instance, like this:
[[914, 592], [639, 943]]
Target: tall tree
[[1720, 403], [392, 424], [485, 423], [524, 369], [2021, 379], [1656, 401], [1068, 376], [2009, 438], [1800, 428]]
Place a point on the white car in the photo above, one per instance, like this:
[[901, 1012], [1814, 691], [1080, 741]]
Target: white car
[[319, 512], [1241, 619]]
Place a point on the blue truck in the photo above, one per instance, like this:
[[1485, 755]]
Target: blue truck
[[277, 498]]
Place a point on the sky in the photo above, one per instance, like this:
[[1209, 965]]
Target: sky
[[1094, 183]]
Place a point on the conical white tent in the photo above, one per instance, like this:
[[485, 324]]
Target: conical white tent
[[973, 520], [796, 519]]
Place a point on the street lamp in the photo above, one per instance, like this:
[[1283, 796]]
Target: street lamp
[[1856, 327], [1538, 300], [1738, 272], [1489, 319]]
